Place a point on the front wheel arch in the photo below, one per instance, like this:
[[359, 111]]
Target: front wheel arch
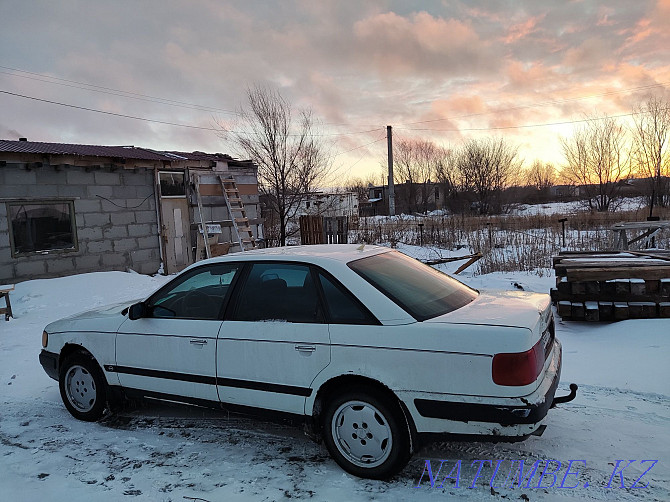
[[82, 384]]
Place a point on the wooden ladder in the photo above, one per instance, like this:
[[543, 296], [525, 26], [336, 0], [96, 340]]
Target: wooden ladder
[[238, 214]]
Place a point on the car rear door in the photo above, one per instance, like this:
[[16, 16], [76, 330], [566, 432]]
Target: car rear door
[[274, 340], [171, 352]]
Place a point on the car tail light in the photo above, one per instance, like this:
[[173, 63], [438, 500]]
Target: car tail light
[[518, 368]]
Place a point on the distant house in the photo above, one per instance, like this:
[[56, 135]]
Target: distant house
[[67, 208], [330, 204], [409, 198]]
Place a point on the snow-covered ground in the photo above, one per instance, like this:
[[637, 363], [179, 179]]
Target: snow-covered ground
[[169, 453], [625, 204]]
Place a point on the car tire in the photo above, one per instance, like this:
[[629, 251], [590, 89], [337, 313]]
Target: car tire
[[366, 434], [83, 387]]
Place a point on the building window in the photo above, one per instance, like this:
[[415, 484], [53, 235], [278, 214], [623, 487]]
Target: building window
[[172, 184], [42, 226], [437, 193]]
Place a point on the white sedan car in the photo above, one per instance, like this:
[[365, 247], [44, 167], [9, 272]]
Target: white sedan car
[[374, 349]]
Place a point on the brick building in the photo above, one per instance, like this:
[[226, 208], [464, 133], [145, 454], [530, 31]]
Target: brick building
[[68, 209]]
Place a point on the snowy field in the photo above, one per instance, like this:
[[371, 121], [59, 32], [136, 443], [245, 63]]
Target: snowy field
[[170, 453]]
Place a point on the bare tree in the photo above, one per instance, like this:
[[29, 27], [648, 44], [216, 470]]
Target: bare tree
[[417, 163], [597, 159], [651, 148], [291, 160], [540, 175], [428, 158], [360, 186], [486, 167], [404, 170]]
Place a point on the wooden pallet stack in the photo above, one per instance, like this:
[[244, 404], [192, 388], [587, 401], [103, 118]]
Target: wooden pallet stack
[[612, 285]]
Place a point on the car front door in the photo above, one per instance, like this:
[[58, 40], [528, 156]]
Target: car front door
[[171, 351], [274, 340]]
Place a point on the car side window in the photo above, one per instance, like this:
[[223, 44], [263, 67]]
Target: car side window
[[199, 294], [341, 305], [279, 292]]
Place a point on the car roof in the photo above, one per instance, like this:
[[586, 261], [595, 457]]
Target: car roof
[[312, 253]]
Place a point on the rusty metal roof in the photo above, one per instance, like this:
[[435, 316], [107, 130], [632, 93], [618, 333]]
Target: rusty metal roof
[[124, 152]]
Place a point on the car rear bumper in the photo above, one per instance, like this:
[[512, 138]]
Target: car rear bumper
[[507, 417], [49, 362]]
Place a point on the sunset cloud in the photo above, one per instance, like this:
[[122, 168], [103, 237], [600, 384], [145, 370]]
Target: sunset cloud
[[444, 71]]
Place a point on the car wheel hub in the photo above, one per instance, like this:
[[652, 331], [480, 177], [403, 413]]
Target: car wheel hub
[[362, 434], [80, 388]]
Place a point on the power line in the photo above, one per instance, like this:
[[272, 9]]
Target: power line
[[111, 113], [114, 92], [353, 149], [524, 126], [49, 79], [362, 146], [175, 124], [542, 104]]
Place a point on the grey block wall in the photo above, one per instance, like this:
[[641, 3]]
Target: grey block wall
[[115, 213]]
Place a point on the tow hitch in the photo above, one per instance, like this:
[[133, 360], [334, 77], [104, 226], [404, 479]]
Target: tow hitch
[[568, 398]]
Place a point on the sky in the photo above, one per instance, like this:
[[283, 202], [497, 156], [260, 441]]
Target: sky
[[450, 71]]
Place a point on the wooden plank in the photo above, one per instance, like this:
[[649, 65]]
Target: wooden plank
[[664, 285], [210, 190], [450, 259], [468, 263], [557, 296], [656, 255], [642, 310], [578, 311], [247, 189], [591, 312], [620, 311], [565, 309], [561, 270], [628, 262], [607, 273], [641, 225], [637, 287], [606, 311], [577, 288]]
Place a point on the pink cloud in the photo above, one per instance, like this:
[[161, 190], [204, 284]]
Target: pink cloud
[[458, 105], [529, 75], [522, 30], [420, 42]]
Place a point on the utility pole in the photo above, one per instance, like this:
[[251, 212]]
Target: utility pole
[[389, 142]]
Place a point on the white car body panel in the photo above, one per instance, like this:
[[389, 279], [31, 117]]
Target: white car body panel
[[271, 352], [181, 346]]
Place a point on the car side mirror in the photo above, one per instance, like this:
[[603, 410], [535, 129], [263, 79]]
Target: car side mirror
[[137, 311]]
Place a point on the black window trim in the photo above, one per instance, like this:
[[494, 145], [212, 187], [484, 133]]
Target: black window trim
[[233, 305], [316, 270], [184, 277], [73, 223]]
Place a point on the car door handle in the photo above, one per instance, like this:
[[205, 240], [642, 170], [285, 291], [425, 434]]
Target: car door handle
[[198, 341], [305, 348]]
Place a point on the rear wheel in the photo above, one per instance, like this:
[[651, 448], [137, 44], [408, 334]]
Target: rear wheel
[[367, 436], [82, 387]]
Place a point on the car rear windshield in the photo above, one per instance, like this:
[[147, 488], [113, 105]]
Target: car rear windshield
[[419, 289]]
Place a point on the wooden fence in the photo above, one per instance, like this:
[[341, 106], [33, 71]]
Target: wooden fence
[[324, 230]]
